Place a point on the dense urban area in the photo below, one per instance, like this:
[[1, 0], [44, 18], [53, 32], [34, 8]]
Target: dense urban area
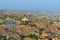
[[16, 25]]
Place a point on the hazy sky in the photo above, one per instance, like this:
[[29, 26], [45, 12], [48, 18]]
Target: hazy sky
[[28, 5]]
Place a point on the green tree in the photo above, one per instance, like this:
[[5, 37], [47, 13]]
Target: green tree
[[40, 31], [25, 22], [33, 36], [33, 25], [3, 37]]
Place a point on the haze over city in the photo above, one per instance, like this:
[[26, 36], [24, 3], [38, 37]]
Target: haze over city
[[31, 5]]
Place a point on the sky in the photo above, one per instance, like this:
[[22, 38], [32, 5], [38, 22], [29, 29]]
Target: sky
[[31, 5]]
